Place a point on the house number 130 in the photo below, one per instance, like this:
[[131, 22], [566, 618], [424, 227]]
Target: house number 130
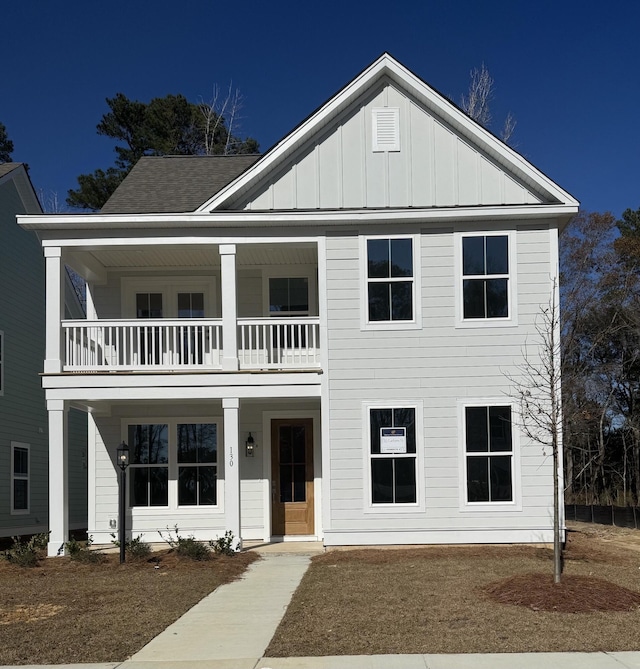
[[231, 457]]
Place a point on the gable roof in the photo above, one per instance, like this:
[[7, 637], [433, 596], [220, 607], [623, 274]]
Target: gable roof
[[174, 184], [278, 159], [18, 174]]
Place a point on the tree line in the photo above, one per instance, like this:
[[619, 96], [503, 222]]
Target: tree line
[[600, 300]]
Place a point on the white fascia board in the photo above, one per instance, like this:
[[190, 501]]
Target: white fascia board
[[189, 393], [443, 108], [118, 382], [101, 223]]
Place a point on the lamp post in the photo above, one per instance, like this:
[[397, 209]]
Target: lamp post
[[123, 463]]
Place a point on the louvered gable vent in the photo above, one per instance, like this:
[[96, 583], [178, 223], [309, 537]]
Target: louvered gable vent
[[386, 129]]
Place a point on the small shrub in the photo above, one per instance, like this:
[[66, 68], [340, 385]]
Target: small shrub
[[187, 547], [134, 547], [27, 553], [224, 545], [81, 551]]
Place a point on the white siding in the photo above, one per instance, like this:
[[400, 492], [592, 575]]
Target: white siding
[[436, 367], [434, 167]]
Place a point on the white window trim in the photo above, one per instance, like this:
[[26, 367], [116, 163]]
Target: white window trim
[[27, 447], [416, 323], [2, 363], [172, 507], [516, 478], [304, 272], [512, 285], [393, 509], [169, 289]]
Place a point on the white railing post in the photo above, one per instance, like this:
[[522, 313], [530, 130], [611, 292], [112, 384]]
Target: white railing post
[[229, 307]]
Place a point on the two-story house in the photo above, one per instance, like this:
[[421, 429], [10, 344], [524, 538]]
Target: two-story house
[[314, 343], [24, 442]]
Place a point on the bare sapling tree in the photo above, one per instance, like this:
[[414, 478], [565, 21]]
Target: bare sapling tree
[[477, 102], [537, 390], [221, 114]]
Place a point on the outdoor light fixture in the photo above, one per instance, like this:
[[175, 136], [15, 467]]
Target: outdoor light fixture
[[250, 446], [122, 458]]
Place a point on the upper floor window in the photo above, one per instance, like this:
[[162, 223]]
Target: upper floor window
[[485, 277], [289, 296], [489, 454], [390, 280], [19, 477]]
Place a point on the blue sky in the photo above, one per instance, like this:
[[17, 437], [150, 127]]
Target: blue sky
[[569, 71]]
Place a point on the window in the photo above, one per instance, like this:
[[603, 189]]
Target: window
[[190, 305], [392, 444], [485, 277], [1, 363], [173, 464], [19, 477], [289, 296], [148, 305], [489, 454], [197, 458], [390, 280], [149, 447]]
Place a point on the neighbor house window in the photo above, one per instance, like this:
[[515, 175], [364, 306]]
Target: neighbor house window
[[19, 477], [485, 276], [390, 280], [149, 470], [197, 464], [488, 453], [392, 444]]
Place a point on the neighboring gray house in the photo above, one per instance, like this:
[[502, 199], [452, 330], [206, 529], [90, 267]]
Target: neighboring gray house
[[315, 344], [24, 434]]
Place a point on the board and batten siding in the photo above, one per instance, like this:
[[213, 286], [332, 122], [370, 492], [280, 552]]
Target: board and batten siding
[[436, 367], [338, 169]]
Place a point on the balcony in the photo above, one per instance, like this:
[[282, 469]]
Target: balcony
[[195, 344]]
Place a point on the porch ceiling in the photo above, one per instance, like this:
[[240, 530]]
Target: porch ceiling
[[204, 256]]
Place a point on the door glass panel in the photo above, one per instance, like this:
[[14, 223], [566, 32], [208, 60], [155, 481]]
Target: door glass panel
[[285, 446], [299, 483], [298, 444], [286, 481]]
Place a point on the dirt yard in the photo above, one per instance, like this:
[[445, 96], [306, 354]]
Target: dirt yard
[[469, 599]]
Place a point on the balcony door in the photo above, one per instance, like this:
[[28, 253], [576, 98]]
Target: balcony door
[[292, 499]]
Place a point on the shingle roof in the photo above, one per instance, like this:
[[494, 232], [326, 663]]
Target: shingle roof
[[5, 168], [174, 184]]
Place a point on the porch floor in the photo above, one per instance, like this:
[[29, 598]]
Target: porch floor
[[284, 547]]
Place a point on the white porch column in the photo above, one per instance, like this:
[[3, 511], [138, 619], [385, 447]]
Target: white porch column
[[58, 468], [229, 307], [54, 309], [230, 408]]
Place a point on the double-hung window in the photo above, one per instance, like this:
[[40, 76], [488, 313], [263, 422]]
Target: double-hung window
[[149, 448], [19, 477], [485, 277], [390, 280], [489, 454], [392, 452], [197, 464]]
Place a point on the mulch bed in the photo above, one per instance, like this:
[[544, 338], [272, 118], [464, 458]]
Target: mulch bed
[[574, 594]]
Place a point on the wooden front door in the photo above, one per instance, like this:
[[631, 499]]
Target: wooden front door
[[292, 477]]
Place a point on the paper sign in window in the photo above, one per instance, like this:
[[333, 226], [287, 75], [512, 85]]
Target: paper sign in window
[[393, 440]]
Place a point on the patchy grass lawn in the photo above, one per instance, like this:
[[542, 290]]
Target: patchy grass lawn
[[64, 611], [468, 599]]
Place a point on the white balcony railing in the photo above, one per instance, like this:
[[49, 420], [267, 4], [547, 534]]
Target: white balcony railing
[[278, 343], [184, 344], [142, 344]]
